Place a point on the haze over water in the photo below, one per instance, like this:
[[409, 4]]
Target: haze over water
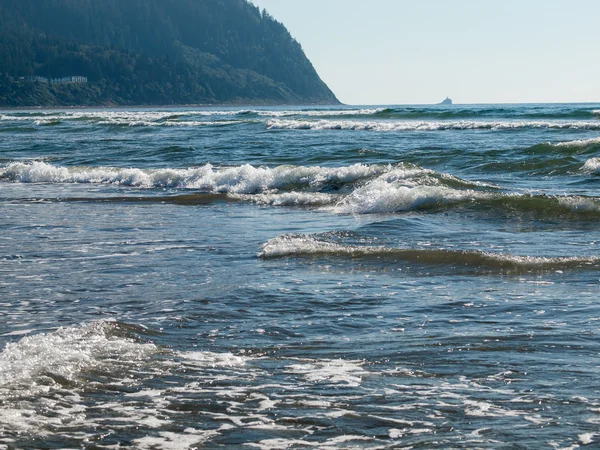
[[342, 277]]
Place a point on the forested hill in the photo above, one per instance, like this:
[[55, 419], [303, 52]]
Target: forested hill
[[150, 52]]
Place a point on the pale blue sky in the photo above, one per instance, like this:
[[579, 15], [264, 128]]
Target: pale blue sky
[[475, 51]]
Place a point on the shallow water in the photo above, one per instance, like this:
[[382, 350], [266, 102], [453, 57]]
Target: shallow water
[[344, 277]]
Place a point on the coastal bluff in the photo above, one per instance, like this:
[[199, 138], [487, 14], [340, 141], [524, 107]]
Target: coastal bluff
[[151, 52]]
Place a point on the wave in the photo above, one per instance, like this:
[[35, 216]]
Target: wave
[[245, 179], [415, 113], [379, 197], [547, 158], [130, 118], [574, 147], [355, 189], [60, 357], [505, 112], [176, 118], [592, 166], [298, 245], [375, 119], [146, 123], [322, 112], [383, 197], [46, 378], [288, 124], [290, 199]]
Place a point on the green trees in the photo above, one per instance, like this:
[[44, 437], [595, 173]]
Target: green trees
[[151, 52]]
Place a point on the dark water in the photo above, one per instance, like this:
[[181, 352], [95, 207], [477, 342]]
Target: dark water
[[394, 277]]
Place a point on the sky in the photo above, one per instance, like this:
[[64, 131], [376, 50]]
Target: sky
[[475, 51]]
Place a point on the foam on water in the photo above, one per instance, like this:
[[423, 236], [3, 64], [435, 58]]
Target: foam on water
[[380, 196], [66, 353], [184, 118], [355, 189], [580, 204], [288, 124], [267, 401], [298, 245], [290, 199], [209, 359], [592, 166], [244, 179], [51, 364], [320, 112], [331, 371], [132, 118], [578, 143]]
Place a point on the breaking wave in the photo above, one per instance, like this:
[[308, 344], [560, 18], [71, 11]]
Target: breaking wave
[[41, 375], [200, 117], [129, 118], [245, 179], [176, 118], [287, 124], [46, 379], [380, 197], [592, 166], [63, 355], [354, 189], [575, 147], [298, 245]]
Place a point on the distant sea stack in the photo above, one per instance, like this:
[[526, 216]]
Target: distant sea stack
[[150, 52], [446, 101]]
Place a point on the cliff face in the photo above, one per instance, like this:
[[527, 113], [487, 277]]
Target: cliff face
[[151, 52]]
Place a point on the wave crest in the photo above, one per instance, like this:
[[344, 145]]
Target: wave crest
[[592, 166], [381, 196], [245, 179], [288, 124], [298, 245]]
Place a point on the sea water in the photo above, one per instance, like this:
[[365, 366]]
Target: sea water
[[311, 277]]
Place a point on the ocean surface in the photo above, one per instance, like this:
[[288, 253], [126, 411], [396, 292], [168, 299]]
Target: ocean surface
[[329, 278]]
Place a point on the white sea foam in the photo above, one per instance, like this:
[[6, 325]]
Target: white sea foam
[[381, 196], [592, 165], [485, 409], [291, 199], [231, 395], [586, 438], [580, 204], [42, 364], [175, 118], [334, 371], [65, 353], [210, 359], [290, 244], [320, 112], [10, 117], [307, 245], [244, 179], [167, 440], [578, 143], [131, 118], [289, 124], [355, 189]]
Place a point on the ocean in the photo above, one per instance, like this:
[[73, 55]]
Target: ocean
[[300, 277]]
